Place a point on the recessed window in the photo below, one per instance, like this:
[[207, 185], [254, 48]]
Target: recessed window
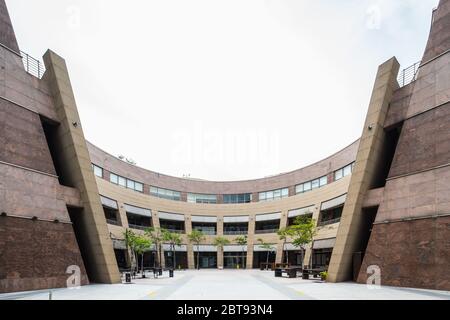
[[274, 194], [138, 187], [237, 198], [122, 182], [347, 170], [98, 171], [201, 198], [165, 193], [113, 178]]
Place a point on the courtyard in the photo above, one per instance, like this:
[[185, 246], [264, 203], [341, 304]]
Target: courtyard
[[229, 285]]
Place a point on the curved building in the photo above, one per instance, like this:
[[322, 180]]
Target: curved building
[[382, 201]]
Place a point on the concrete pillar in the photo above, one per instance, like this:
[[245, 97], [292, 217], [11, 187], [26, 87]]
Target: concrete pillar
[[190, 247], [283, 224], [349, 235], [251, 241], [155, 221], [98, 249]]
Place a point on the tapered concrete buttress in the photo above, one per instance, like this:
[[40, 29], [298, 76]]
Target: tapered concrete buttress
[[349, 235], [98, 250]]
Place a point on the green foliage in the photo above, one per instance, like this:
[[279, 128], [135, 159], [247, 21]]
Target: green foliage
[[302, 231], [196, 236], [241, 240], [221, 241], [171, 238], [324, 275], [266, 245]]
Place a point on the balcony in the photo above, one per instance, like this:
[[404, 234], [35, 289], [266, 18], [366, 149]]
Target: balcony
[[113, 222], [328, 222], [408, 75], [138, 227], [32, 65], [266, 231], [235, 232]]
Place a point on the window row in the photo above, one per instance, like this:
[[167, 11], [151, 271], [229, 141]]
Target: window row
[[311, 185], [126, 183], [201, 198], [165, 193], [274, 194], [237, 198], [343, 172]]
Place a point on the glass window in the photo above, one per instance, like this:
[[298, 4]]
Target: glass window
[[122, 182], [201, 198], [139, 187], [98, 171], [285, 193], [347, 170], [307, 186], [323, 181], [130, 184], [114, 178], [338, 174], [315, 184], [165, 193]]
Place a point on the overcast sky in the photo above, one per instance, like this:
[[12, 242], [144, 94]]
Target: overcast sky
[[223, 90]]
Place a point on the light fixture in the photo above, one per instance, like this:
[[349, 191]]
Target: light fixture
[[75, 124]]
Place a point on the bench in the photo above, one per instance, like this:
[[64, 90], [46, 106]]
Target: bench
[[290, 271]]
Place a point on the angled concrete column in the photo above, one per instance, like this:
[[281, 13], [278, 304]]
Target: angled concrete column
[[98, 250], [349, 235]]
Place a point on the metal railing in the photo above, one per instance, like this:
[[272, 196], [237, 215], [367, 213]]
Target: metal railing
[[235, 232], [138, 227], [408, 75], [328, 222], [113, 222], [32, 65], [266, 231]]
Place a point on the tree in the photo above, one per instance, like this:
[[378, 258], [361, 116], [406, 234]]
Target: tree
[[156, 236], [196, 237], [242, 241], [267, 246], [303, 231], [220, 242], [173, 239], [283, 234], [130, 243], [141, 245]]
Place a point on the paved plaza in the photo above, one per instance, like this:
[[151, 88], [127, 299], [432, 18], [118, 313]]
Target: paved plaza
[[229, 285]]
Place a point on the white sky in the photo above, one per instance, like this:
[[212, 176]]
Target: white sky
[[223, 90]]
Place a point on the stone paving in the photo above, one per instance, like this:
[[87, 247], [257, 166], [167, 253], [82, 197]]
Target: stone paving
[[229, 285]]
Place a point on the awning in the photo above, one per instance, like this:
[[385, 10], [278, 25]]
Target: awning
[[171, 216], [236, 219], [324, 243], [268, 216], [138, 211], [333, 203], [234, 248], [180, 248], [291, 247], [119, 244], [259, 248], [301, 211], [205, 248], [110, 203], [206, 219]]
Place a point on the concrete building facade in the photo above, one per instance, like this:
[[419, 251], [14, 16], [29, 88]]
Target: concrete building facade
[[382, 201]]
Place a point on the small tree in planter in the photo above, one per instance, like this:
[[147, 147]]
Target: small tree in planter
[[303, 231], [267, 246], [173, 239], [156, 236], [242, 241], [196, 237], [220, 242], [283, 234]]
